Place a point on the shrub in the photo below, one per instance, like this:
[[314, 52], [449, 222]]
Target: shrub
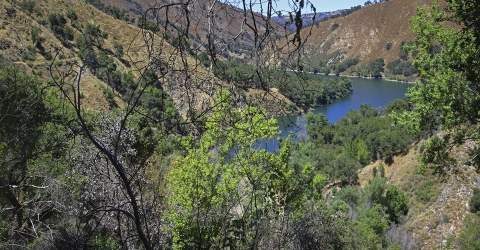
[[388, 46], [424, 193], [475, 201], [335, 26]]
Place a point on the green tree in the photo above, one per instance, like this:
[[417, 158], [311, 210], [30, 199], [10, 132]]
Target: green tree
[[376, 67], [398, 106], [33, 142], [72, 15], [57, 24], [448, 96], [118, 49], [396, 203], [27, 6], [205, 184], [35, 34], [226, 193]]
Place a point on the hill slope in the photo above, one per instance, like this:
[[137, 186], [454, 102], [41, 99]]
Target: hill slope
[[178, 71], [363, 34], [438, 204]]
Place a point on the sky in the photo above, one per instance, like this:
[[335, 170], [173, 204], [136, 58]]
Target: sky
[[322, 5]]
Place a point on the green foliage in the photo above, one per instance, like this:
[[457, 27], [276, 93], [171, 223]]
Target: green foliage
[[118, 49], [375, 68], [215, 176], [361, 136], [396, 204], [146, 24], [27, 6], [93, 33], [305, 91], [57, 25], [398, 67], [86, 52], [474, 202], [101, 242], [36, 147], [357, 149], [425, 192], [382, 170], [349, 194], [397, 106], [72, 15], [343, 66], [259, 186], [446, 60], [468, 239], [35, 34], [375, 219], [29, 54]]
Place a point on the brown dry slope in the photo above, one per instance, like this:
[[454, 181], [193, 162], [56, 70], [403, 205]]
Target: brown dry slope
[[183, 73], [364, 33]]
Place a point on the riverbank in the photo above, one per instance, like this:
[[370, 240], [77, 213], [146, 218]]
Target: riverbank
[[386, 79], [364, 77]]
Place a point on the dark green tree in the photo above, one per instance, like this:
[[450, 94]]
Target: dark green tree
[[375, 68]]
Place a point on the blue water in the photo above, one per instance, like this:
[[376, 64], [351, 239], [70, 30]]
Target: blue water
[[376, 92]]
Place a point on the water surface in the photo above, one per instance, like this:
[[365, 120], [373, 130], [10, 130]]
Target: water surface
[[376, 92]]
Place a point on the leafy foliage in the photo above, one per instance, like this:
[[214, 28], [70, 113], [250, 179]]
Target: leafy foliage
[[355, 140], [304, 90], [447, 62], [237, 195]]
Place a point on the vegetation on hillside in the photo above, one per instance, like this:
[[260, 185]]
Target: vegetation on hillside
[[144, 174]]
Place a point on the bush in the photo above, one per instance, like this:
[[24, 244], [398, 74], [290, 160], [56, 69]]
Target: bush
[[335, 26], [388, 46], [424, 193], [27, 6], [475, 201], [396, 203]]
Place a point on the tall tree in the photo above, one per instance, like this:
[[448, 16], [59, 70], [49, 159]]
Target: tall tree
[[32, 156], [449, 95]]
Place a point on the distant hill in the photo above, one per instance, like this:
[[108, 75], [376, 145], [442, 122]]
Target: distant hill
[[364, 34], [306, 18]]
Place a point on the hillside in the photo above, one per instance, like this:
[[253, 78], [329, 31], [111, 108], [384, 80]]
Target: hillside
[[229, 24], [178, 70], [363, 34], [117, 137], [438, 204]]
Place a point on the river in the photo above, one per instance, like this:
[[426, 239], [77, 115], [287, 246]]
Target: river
[[376, 92]]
